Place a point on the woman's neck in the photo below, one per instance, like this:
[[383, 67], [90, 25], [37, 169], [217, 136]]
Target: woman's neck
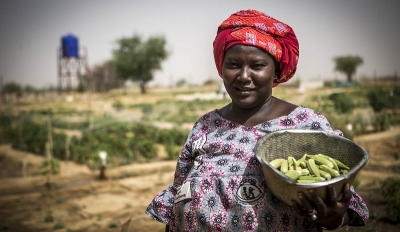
[[250, 116], [273, 108]]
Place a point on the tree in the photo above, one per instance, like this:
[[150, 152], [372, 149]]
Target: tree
[[137, 60], [105, 78], [348, 65], [13, 88]]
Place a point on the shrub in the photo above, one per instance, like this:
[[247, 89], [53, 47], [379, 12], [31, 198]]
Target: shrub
[[382, 121], [342, 103], [59, 140], [79, 148], [144, 131], [176, 136], [380, 99], [33, 137], [172, 150], [118, 105], [144, 147], [391, 191], [147, 109], [54, 167]]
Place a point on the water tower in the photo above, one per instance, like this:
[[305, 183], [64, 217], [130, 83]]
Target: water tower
[[72, 62]]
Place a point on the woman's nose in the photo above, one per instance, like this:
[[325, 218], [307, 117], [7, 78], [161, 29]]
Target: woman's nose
[[245, 74]]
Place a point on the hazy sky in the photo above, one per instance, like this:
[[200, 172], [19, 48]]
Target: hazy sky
[[30, 33]]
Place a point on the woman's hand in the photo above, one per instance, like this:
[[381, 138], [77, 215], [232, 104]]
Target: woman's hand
[[331, 212]]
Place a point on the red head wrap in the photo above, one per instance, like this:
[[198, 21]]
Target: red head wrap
[[251, 27]]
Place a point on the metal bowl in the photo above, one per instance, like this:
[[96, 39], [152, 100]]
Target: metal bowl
[[296, 143]]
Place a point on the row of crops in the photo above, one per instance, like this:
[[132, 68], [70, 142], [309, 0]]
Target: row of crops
[[73, 137]]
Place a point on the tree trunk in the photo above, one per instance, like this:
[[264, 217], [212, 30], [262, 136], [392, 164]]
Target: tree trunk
[[349, 75], [143, 87]]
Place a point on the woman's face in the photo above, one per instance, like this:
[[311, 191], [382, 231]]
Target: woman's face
[[248, 73]]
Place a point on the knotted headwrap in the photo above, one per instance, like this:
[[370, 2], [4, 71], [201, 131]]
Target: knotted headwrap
[[252, 27]]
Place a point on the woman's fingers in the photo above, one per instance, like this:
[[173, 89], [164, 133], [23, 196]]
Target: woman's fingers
[[299, 209], [318, 202], [346, 194], [305, 203], [331, 197]]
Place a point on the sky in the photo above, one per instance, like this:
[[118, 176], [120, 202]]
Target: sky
[[31, 31]]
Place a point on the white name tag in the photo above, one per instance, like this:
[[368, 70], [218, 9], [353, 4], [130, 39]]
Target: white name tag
[[183, 193]]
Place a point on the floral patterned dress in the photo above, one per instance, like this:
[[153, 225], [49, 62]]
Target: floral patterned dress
[[219, 184]]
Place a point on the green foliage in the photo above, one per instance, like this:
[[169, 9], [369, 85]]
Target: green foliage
[[112, 224], [30, 136], [380, 98], [147, 109], [62, 124], [13, 88], [342, 103], [6, 130], [30, 89], [144, 147], [49, 217], [391, 191], [78, 148], [58, 226], [104, 77], [59, 140], [136, 59], [174, 136], [118, 105], [52, 167], [382, 121], [172, 150], [348, 65], [145, 131]]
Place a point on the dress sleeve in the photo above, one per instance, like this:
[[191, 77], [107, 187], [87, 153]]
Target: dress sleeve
[[160, 208], [358, 211]]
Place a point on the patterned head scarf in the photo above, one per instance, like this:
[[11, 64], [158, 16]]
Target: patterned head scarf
[[252, 27]]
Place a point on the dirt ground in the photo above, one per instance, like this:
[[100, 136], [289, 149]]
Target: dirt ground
[[79, 201]]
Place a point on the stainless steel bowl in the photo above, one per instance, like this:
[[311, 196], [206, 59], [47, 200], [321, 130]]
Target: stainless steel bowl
[[296, 143]]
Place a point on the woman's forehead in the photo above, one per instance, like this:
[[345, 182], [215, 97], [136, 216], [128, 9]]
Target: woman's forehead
[[246, 50]]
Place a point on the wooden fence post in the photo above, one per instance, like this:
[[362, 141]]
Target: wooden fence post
[[67, 143], [24, 167], [48, 168]]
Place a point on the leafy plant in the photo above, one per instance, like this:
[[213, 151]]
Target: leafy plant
[[118, 105], [49, 217], [52, 167], [144, 147], [342, 102], [58, 226], [391, 191], [172, 150], [380, 99], [112, 224]]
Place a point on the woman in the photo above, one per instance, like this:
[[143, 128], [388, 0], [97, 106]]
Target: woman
[[219, 184]]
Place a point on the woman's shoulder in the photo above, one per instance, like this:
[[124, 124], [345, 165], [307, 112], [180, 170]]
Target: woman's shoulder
[[284, 107], [206, 118], [306, 110]]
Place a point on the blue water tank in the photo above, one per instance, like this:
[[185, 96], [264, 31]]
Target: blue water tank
[[70, 46]]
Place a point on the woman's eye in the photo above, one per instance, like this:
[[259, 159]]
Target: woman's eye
[[258, 66], [231, 65]]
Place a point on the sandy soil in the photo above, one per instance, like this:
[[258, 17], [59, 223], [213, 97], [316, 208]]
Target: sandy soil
[[79, 201]]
